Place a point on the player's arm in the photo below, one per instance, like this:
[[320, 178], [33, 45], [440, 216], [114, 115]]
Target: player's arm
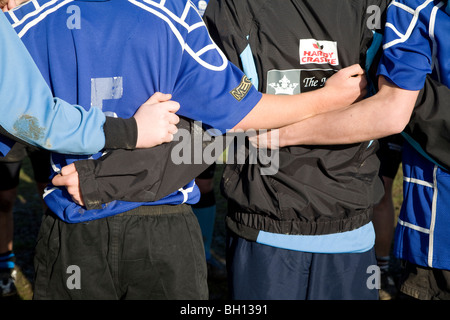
[[137, 175], [342, 89], [94, 182], [386, 113]]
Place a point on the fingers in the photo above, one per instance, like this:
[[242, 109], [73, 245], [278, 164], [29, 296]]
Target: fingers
[[156, 120], [164, 100], [172, 106], [68, 178], [7, 5], [353, 71], [69, 169], [173, 118], [158, 97]]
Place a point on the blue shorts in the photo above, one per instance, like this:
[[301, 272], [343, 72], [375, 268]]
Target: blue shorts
[[261, 272]]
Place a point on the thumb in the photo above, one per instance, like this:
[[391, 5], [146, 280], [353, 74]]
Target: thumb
[[353, 70], [158, 97], [69, 169]]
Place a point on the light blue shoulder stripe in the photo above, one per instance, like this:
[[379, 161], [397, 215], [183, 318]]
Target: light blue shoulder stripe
[[248, 65]]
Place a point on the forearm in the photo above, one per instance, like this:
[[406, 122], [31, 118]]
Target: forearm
[[275, 111], [383, 114], [351, 125], [144, 175], [278, 111], [121, 175], [120, 133]]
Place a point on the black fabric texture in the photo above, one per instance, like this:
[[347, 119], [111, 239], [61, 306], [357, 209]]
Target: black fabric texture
[[120, 133]]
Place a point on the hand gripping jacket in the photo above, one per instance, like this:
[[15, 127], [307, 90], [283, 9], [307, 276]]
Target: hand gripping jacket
[[293, 47]]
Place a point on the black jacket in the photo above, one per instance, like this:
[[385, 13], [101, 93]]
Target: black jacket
[[318, 189]]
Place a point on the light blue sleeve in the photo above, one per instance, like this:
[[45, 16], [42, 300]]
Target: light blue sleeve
[[30, 112]]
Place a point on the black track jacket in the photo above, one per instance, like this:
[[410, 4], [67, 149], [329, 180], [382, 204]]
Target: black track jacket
[[295, 45]]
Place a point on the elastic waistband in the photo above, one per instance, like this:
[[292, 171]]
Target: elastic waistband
[[156, 210]]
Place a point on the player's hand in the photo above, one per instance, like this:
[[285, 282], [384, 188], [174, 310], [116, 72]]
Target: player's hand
[[347, 86], [156, 120], [68, 178], [6, 5]]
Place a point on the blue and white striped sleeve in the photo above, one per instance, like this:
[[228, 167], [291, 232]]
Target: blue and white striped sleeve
[[30, 112], [407, 53]]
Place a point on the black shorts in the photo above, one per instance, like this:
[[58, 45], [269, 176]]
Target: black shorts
[[152, 252], [390, 155], [425, 283], [11, 164]]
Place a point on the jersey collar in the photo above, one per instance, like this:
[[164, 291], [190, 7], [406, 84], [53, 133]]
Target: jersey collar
[[447, 9]]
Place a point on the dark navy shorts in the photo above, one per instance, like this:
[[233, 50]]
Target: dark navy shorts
[[261, 272]]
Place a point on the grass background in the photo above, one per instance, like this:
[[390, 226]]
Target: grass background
[[28, 214]]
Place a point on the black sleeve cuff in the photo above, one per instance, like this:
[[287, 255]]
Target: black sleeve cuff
[[88, 185], [120, 133]]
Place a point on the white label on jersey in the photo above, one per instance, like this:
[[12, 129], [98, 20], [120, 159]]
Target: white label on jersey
[[318, 52], [105, 89]]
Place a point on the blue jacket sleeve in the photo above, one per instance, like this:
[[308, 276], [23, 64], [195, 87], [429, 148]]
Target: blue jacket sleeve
[[29, 112]]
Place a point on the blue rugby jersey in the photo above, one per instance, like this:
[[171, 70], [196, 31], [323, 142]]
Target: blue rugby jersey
[[115, 54], [416, 44]]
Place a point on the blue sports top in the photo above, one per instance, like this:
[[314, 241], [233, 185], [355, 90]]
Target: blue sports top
[[113, 55], [29, 111], [417, 44]]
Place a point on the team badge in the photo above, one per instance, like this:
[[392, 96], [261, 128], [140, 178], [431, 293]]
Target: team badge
[[295, 81], [242, 89]]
